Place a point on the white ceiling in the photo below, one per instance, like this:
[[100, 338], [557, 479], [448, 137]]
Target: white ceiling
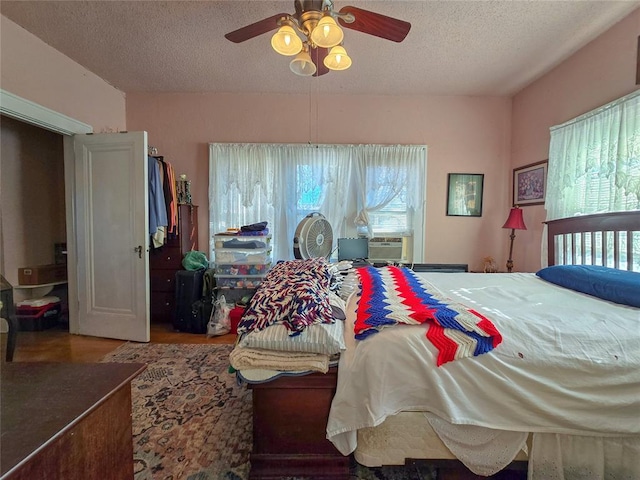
[[473, 47]]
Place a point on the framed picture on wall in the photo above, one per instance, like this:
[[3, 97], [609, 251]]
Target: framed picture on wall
[[638, 63], [464, 195], [530, 184]]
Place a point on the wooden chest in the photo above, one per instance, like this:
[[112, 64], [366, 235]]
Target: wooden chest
[[289, 429]]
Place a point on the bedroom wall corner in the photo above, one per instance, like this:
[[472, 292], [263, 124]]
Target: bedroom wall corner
[[603, 70], [37, 72]]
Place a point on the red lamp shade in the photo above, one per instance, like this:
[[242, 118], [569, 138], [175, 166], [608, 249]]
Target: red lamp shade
[[515, 220]]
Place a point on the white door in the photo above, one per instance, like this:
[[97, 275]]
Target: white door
[[111, 221]]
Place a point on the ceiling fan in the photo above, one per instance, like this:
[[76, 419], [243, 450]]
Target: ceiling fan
[[320, 49]]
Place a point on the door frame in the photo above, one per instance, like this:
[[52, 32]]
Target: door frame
[[30, 112]]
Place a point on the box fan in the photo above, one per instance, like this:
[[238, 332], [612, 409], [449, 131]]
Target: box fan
[[313, 237]]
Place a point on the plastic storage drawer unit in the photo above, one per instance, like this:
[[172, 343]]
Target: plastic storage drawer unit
[[242, 241], [242, 268], [235, 255], [238, 281]]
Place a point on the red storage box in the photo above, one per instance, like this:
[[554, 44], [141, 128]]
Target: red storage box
[[235, 315], [38, 314]]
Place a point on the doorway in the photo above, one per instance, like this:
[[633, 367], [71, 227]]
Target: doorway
[[105, 191], [33, 212]]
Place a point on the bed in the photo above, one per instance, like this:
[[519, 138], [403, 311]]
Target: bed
[[534, 393], [549, 406]]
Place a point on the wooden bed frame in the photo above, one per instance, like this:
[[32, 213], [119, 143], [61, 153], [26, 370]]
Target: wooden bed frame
[[587, 239], [290, 413]]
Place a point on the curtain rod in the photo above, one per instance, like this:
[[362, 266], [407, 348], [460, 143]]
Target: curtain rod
[[316, 145], [598, 110]]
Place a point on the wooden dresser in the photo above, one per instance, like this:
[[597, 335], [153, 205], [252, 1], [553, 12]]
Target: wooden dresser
[[67, 421], [289, 429], [166, 260]]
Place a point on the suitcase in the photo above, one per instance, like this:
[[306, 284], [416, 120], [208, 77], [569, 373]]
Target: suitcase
[[188, 291], [201, 312]]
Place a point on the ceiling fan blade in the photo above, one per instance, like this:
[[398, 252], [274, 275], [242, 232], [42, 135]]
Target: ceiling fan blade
[[376, 24], [318, 55], [255, 29]]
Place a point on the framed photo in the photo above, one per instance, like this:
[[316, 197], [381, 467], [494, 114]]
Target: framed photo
[[530, 184], [638, 64], [464, 195]]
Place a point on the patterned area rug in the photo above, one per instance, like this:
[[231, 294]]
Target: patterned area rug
[[191, 421], [190, 418]]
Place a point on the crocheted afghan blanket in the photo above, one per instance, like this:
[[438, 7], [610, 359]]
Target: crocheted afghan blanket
[[395, 296]]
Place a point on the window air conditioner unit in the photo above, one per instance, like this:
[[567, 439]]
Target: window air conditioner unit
[[389, 249]]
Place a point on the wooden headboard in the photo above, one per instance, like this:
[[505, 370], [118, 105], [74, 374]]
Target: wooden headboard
[[609, 239]]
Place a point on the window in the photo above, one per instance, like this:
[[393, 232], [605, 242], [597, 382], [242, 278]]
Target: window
[[594, 165], [377, 187], [594, 161], [393, 218], [310, 194]]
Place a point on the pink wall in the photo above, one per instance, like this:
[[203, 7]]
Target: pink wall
[[463, 134], [602, 71], [32, 196], [35, 71]]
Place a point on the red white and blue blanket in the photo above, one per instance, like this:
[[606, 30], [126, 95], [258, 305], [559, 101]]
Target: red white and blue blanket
[[395, 296]]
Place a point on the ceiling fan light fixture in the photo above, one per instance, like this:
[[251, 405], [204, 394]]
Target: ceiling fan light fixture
[[303, 65], [286, 42], [337, 59], [327, 33]]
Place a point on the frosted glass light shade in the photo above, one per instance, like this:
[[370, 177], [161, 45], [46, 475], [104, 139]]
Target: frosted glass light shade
[[303, 65], [286, 42], [327, 33], [337, 59]]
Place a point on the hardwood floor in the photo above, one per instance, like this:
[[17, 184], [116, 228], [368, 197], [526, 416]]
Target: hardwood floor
[[57, 345]]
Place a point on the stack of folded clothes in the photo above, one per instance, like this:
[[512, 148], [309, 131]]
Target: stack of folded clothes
[[292, 325], [257, 229]]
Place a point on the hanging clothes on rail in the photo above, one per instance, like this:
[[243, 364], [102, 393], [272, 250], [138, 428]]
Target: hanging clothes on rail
[[170, 197], [157, 207], [163, 201]]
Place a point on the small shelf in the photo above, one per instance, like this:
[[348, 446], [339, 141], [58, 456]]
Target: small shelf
[[40, 285]]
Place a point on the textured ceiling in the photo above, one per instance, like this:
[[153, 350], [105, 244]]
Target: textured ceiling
[[453, 48]]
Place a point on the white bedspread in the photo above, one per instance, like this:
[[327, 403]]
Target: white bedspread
[[569, 363]]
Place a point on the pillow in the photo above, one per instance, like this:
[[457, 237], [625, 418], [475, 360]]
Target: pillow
[[325, 338], [619, 286]]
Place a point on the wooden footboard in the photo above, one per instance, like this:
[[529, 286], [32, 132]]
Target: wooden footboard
[[289, 435], [289, 429]]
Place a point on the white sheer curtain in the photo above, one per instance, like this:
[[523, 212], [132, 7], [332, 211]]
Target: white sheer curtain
[[382, 172], [280, 183], [318, 173], [594, 163], [250, 183]]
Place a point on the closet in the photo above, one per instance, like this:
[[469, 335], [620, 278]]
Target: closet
[[32, 221]]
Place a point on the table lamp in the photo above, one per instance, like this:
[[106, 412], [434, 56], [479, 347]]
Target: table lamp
[[514, 222]]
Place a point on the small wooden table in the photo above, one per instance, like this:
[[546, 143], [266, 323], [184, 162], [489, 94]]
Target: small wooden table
[[66, 420]]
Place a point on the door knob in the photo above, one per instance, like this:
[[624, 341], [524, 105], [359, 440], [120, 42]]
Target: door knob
[[139, 250]]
